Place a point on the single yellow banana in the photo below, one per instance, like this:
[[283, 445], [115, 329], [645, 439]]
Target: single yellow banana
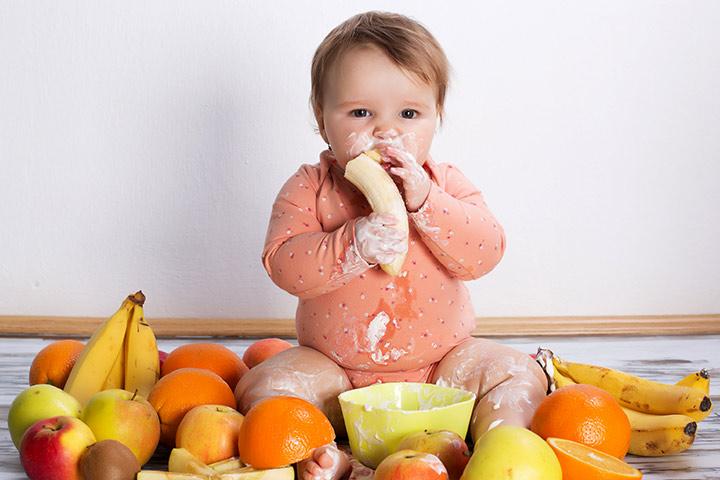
[[638, 393], [89, 373], [366, 173], [561, 380], [701, 381], [116, 377], [142, 368], [657, 435]]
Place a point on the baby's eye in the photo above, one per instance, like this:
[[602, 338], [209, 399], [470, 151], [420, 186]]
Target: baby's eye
[[409, 113], [360, 113]]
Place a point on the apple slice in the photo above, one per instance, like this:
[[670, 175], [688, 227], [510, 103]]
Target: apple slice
[[159, 475], [229, 464], [249, 473], [182, 461]]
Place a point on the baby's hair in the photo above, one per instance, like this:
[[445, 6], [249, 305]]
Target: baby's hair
[[406, 42]]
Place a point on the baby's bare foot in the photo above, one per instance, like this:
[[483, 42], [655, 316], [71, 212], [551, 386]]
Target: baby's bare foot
[[326, 463]]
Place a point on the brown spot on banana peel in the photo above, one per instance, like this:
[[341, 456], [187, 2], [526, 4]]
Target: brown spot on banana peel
[[690, 429], [706, 404]]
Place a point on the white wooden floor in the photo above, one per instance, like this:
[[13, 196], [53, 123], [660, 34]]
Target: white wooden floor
[[665, 359]]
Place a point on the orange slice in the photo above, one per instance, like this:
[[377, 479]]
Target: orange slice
[[580, 462]]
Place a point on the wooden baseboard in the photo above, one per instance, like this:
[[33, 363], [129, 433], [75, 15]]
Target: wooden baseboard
[[48, 326]]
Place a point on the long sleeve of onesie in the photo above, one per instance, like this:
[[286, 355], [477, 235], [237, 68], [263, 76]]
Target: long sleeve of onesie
[[457, 226], [300, 257]]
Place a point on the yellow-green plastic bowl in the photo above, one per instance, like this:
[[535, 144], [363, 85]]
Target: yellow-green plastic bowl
[[379, 416]]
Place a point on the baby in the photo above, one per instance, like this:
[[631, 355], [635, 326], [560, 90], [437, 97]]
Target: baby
[[379, 82]]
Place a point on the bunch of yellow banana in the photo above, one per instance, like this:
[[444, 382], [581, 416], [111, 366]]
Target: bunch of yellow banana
[[121, 353], [663, 417]]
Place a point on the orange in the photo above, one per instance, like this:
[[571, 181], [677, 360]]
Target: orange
[[53, 363], [278, 431], [263, 349], [210, 356], [585, 414], [580, 462], [178, 392]]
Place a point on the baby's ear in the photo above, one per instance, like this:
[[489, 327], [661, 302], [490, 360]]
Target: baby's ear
[[321, 126]]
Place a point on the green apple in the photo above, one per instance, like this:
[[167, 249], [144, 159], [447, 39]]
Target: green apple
[[512, 453], [126, 417], [37, 403]]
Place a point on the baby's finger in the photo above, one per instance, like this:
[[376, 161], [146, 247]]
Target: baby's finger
[[383, 218], [386, 258], [401, 155], [392, 233], [400, 172]]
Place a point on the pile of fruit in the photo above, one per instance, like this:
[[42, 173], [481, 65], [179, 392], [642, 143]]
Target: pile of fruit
[[100, 410]]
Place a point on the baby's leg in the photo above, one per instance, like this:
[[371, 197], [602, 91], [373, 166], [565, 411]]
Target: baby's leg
[[509, 384], [306, 373]]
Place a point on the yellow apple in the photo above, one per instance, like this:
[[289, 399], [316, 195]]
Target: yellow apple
[[512, 453], [210, 432], [126, 417]]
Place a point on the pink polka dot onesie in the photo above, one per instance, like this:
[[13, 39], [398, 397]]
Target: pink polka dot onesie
[[375, 326]]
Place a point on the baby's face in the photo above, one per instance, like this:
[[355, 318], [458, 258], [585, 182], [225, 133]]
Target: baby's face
[[369, 99]]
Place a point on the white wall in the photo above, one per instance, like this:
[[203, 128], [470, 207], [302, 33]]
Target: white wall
[[142, 144]]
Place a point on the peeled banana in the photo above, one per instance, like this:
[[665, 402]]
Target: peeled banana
[[366, 173], [121, 353], [651, 435], [638, 393]]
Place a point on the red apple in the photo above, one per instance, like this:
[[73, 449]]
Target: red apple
[[448, 446], [263, 349], [411, 465], [210, 432], [51, 448]]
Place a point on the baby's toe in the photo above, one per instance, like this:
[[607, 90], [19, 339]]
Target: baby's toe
[[325, 460]]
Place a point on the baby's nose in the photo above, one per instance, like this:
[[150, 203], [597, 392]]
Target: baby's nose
[[385, 133]]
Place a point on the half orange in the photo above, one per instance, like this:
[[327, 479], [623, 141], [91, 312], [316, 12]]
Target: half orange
[[580, 462]]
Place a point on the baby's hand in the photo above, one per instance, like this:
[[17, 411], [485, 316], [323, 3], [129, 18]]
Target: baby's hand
[[377, 240], [415, 180]]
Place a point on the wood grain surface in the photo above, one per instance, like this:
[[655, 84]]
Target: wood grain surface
[[52, 326], [661, 358]]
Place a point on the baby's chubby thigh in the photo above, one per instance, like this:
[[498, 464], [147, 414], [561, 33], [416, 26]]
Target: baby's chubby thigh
[[509, 384], [299, 372]]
